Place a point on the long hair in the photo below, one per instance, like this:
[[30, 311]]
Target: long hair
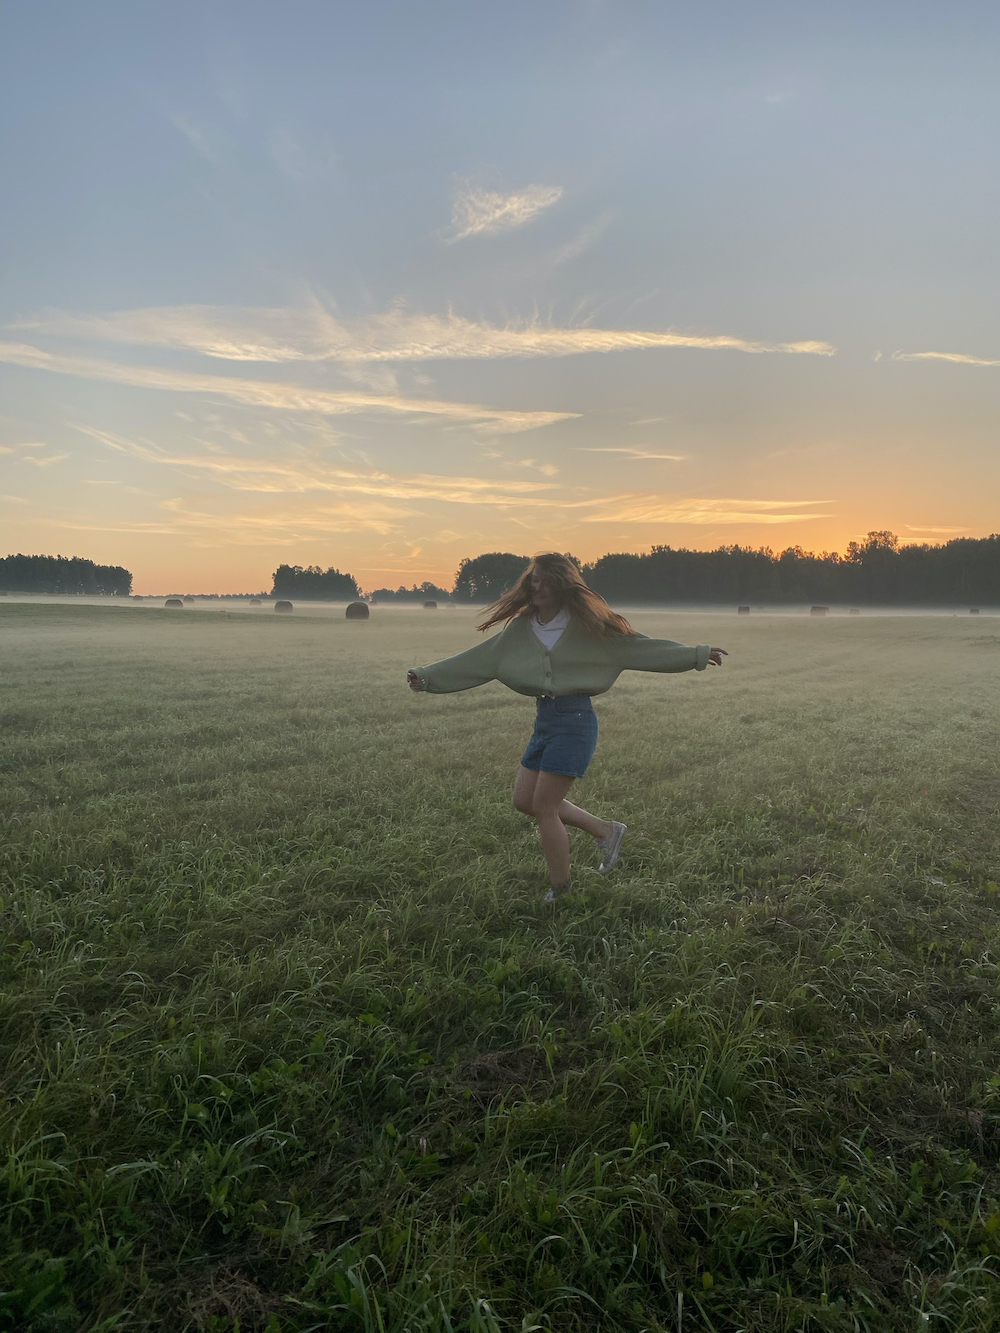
[[586, 607]]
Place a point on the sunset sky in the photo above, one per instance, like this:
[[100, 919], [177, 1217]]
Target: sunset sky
[[382, 286]]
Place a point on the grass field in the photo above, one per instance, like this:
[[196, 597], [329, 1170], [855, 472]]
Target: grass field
[[290, 1042]]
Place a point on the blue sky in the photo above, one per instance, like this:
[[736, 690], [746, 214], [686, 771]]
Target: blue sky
[[383, 286]]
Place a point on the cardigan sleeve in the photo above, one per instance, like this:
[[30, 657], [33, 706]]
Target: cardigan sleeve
[[464, 671], [638, 653]]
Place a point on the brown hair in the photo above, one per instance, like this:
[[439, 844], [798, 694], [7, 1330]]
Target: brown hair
[[586, 607]]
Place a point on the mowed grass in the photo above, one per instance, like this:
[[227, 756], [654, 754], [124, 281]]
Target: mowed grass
[[290, 1042]]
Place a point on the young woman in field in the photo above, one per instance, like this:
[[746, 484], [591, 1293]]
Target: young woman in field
[[561, 644]]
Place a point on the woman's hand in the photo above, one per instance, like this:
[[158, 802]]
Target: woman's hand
[[415, 683], [716, 655]]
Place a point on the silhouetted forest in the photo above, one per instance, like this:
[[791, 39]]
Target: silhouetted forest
[[877, 571], [312, 584], [63, 574]]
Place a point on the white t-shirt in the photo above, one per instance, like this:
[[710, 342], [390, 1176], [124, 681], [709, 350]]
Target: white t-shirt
[[550, 632]]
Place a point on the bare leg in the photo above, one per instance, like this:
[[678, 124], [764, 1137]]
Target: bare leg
[[550, 788], [524, 790], [524, 800], [597, 828], [543, 796]]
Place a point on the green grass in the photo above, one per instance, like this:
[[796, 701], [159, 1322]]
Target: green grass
[[290, 1042]]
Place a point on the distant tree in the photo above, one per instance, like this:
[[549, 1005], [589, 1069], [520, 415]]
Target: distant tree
[[61, 574], [874, 546], [487, 576], [313, 584], [426, 592]]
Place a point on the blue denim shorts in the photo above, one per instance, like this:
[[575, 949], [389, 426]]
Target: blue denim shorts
[[565, 736]]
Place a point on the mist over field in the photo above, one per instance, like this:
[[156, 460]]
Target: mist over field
[[291, 1039]]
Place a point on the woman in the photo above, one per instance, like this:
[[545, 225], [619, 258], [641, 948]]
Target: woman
[[561, 643]]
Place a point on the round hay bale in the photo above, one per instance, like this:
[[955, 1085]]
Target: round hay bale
[[284, 608], [357, 611], [973, 610], [818, 610], [255, 601], [430, 606], [188, 601], [743, 610], [854, 611], [136, 598], [174, 602]]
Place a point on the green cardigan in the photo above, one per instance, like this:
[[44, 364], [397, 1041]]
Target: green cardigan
[[579, 663]]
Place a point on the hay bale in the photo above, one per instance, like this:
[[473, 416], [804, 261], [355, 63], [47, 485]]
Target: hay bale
[[973, 610], [284, 608], [136, 598], [854, 611], [743, 610], [430, 606], [255, 601], [174, 602], [357, 611], [818, 610], [188, 601]]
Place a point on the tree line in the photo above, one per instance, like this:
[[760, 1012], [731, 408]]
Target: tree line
[[876, 571], [63, 574]]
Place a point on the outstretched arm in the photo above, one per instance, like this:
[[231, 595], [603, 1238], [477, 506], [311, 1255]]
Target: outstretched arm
[[474, 667], [641, 654]]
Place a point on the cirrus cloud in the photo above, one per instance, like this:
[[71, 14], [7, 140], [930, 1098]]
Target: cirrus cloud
[[962, 358], [478, 212], [286, 397], [235, 333]]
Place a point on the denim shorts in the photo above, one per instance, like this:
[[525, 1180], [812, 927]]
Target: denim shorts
[[565, 736]]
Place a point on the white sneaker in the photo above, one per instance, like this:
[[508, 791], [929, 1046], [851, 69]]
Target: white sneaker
[[611, 847]]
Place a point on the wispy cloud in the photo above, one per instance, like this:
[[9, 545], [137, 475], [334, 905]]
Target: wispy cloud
[[935, 532], [962, 358], [286, 397], [705, 511], [18, 451], [206, 527], [634, 453], [46, 460], [305, 472], [478, 212], [310, 333]]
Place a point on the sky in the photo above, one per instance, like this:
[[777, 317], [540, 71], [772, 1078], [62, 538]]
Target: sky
[[385, 286]]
